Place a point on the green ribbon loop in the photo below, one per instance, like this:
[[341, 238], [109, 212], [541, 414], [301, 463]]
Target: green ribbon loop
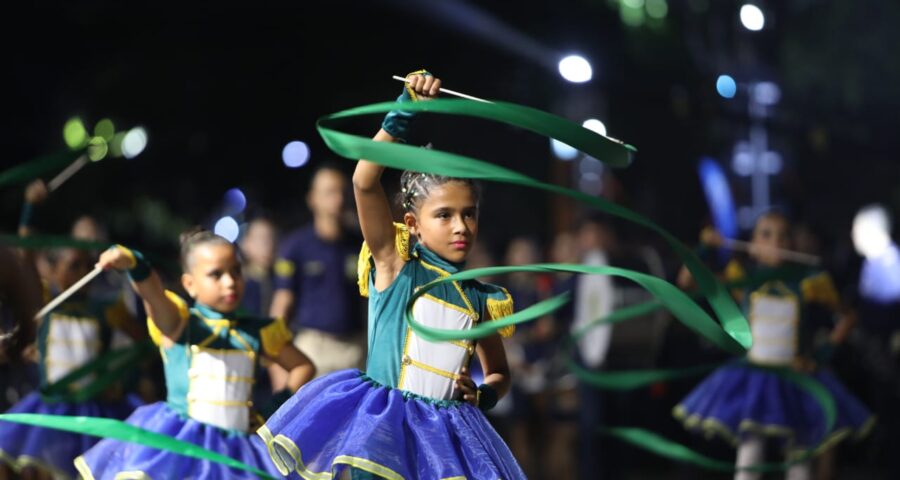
[[612, 152], [116, 429], [678, 302], [731, 334]]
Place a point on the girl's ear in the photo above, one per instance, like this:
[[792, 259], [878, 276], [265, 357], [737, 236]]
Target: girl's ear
[[409, 219], [187, 281]]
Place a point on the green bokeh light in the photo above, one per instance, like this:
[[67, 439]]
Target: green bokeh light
[[74, 133], [657, 9], [115, 145], [105, 129], [97, 149], [633, 17]]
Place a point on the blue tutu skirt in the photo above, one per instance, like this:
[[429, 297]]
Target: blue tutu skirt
[[23, 445], [111, 457], [736, 400], [345, 419]]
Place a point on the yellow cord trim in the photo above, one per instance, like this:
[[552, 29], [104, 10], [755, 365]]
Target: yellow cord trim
[[820, 289], [289, 447], [429, 368], [83, 469], [133, 475], [712, 427], [459, 289], [471, 313], [364, 263], [275, 336], [498, 309]]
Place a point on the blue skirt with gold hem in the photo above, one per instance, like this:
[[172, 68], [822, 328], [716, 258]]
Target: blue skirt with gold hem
[[739, 399], [23, 446], [110, 457], [347, 420]]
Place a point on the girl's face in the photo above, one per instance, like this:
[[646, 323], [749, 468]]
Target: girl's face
[[770, 234], [447, 221], [215, 278]]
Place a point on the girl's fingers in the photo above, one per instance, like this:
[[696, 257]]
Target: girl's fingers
[[425, 86], [435, 87]]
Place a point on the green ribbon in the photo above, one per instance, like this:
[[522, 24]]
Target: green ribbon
[[38, 242], [678, 302], [108, 368], [629, 380], [612, 152], [641, 378], [119, 430], [733, 335], [40, 166]]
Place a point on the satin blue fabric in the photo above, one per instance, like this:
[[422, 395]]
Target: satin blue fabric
[[742, 399], [347, 414], [51, 447], [111, 457]]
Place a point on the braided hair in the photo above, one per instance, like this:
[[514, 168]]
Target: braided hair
[[416, 186]]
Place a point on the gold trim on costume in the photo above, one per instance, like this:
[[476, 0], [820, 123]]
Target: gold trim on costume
[[712, 427], [498, 309], [459, 289], [289, 447], [135, 475], [364, 265], [428, 368]]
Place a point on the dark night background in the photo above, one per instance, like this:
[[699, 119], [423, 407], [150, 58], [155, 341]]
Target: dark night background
[[221, 90]]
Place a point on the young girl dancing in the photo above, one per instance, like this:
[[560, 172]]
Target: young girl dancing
[[748, 404], [415, 412], [210, 357], [74, 334]]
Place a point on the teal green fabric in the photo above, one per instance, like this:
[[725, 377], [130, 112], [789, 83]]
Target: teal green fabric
[[387, 328], [201, 325]]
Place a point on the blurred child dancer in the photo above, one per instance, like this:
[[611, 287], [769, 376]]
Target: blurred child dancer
[[748, 404], [415, 413], [75, 333], [210, 356]]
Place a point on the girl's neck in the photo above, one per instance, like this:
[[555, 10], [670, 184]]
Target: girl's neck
[[432, 257]]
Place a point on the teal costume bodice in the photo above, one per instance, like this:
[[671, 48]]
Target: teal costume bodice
[[75, 333], [397, 356], [779, 309], [210, 369]]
